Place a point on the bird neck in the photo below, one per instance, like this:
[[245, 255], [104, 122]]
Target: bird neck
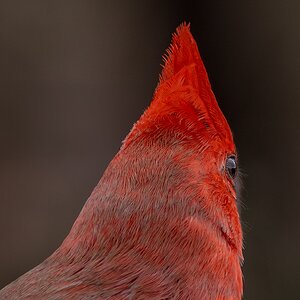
[[124, 235]]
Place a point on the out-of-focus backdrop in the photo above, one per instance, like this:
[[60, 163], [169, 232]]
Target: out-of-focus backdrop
[[75, 76]]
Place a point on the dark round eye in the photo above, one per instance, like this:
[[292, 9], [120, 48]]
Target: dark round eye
[[231, 166]]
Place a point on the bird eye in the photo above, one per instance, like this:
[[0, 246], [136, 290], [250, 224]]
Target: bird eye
[[231, 166]]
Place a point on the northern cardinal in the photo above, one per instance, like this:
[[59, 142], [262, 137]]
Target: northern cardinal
[[163, 222]]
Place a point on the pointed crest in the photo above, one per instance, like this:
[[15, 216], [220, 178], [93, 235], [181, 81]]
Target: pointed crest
[[183, 54], [184, 86]]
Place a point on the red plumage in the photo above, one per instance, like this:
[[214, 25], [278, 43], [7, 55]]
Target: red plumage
[[162, 223]]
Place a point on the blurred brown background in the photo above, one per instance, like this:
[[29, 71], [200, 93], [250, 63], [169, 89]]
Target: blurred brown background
[[75, 76]]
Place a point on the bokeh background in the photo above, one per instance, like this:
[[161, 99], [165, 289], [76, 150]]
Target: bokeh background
[[75, 76]]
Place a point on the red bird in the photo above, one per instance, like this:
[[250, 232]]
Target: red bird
[[162, 223]]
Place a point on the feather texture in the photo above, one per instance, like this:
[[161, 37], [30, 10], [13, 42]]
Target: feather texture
[[162, 223]]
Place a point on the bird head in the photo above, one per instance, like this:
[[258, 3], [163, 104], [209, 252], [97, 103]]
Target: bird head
[[169, 195], [189, 143]]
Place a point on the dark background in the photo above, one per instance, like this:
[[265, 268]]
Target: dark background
[[75, 76]]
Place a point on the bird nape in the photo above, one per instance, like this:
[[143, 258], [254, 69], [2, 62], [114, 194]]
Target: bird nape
[[162, 223]]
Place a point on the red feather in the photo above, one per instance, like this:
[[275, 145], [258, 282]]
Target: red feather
[[163, 222]]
